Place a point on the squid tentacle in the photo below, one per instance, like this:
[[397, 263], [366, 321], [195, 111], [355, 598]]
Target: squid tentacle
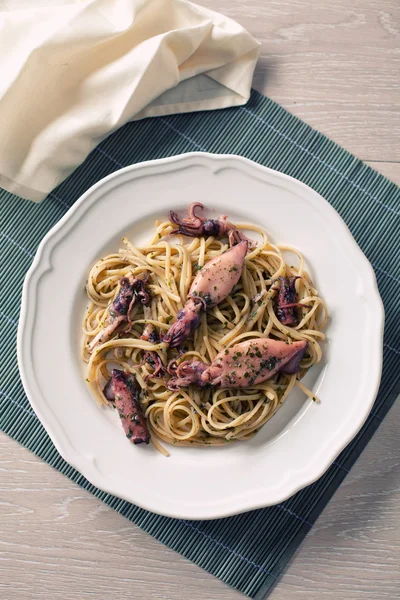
[[194, 225], [123, 390], [287, 301], [130, 290]]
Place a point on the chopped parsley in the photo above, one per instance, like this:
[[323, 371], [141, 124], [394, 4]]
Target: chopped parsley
[[269, 363]]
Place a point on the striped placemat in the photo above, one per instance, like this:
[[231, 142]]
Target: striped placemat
[[248, 551]]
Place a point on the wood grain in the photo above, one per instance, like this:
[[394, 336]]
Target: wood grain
[[391, 170], [335, 65]]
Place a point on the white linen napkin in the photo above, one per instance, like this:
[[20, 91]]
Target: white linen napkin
[[71, 72]]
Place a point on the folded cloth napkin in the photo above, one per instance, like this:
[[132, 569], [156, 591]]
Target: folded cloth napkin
[[74, 71]]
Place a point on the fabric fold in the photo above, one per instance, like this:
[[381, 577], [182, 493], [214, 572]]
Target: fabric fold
[[72, 73]]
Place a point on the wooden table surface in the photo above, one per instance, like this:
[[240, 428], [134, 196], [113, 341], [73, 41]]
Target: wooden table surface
[[337, 66]]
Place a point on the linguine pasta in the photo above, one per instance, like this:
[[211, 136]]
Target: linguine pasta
[[200, 416]]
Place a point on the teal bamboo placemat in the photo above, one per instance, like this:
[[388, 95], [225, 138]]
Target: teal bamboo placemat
[[251, 550]]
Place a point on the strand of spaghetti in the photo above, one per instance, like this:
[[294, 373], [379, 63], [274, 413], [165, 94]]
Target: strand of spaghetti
[[306, 391]]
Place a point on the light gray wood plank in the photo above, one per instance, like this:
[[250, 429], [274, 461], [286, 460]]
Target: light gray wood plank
[[58, 542], [390, 170], [335, 65]]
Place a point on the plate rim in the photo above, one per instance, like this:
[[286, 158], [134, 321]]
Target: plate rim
[[40, 266]]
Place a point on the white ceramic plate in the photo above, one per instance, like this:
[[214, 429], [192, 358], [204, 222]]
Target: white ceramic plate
[[301, 440]]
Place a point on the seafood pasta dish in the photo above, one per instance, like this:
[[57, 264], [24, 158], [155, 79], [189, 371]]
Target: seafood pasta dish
[[198, 337]]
